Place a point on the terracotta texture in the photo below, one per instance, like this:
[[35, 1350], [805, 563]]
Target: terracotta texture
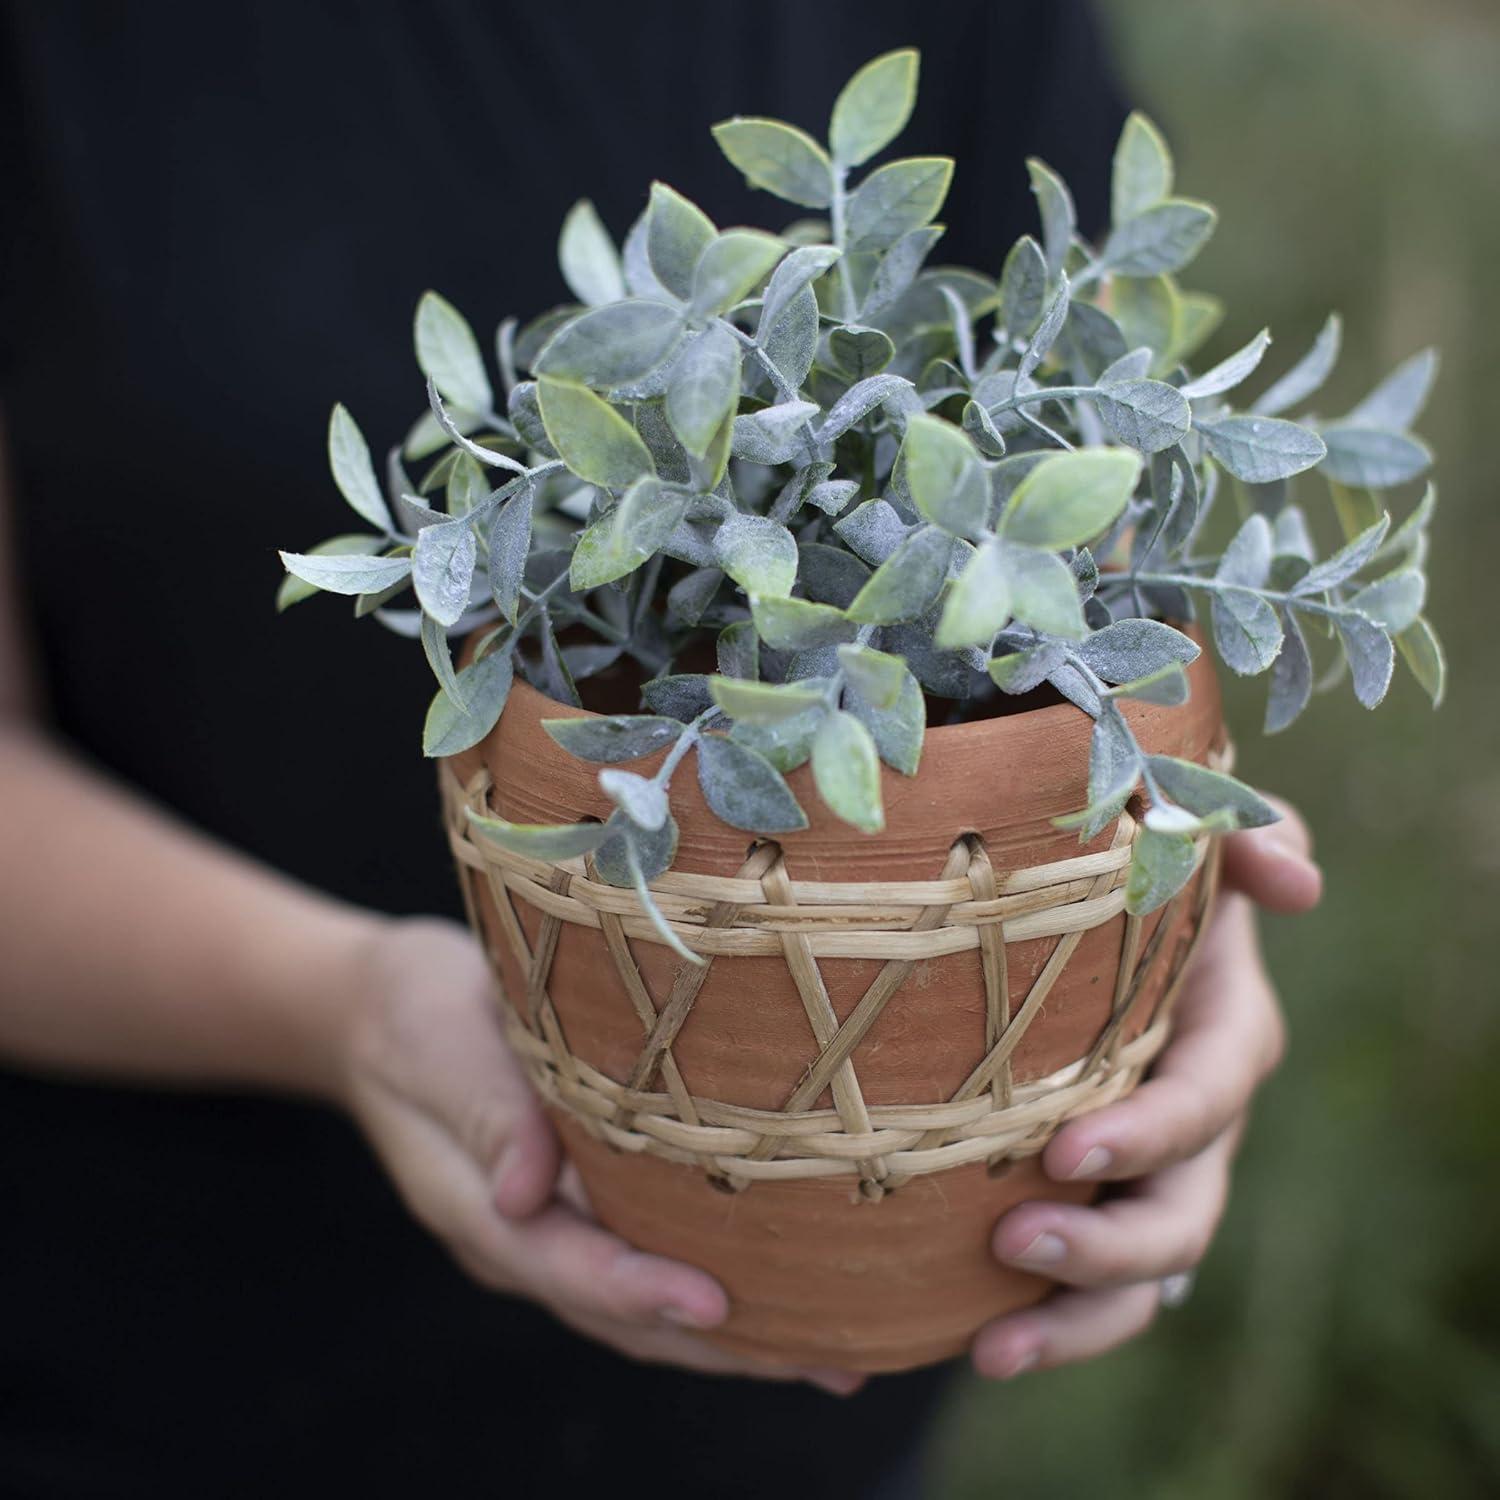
[[815, 1275]]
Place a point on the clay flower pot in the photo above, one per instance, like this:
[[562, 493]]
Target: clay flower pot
[[995, 985]]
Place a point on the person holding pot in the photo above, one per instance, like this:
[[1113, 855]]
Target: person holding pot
[[206, 1282]]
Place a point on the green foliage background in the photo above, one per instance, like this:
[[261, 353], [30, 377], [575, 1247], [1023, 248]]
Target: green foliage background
[[1344, 1339]]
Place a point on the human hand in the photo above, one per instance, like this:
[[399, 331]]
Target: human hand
[[1169, 1145], [433, 1084]]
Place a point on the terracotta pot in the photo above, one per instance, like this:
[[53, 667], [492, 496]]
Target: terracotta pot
[[816, 1274]]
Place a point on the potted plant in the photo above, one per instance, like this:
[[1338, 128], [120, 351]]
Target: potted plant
[[830, 762]]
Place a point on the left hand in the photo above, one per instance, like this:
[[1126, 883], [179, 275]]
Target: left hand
[[1168, 1146]]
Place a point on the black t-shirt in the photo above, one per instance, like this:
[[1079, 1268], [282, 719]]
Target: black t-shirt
[[217, 220]]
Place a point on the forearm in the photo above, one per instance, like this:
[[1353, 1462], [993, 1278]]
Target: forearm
[[134, 947]]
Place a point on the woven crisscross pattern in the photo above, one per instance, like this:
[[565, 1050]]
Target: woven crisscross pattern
[[761, 910]]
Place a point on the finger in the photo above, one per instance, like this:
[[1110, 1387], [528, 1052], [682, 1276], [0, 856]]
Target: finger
[[1229, 1036], [1162, 1227], [526, 1175], [1068, 1327], [1273, 865]]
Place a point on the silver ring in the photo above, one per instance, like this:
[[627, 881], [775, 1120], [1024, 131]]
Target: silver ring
[[1175, 1290]]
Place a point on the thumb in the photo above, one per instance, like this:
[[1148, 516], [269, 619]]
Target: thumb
[[1273, 865], [526, 1172]]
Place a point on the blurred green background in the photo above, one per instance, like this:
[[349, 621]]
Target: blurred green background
[[1344, 1338]]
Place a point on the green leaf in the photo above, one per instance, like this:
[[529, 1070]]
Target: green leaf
[[908, 580], [898, 730], [677, 233], [294, 590], [860, 352], [620, 737], [876, 676], [1371, 656], [1307, 375], [1043, 592], [744, 789], [944, 475], [632, 855], [546, 841], [1023, 288], [1149, 312], [442, 569], [591, 437], [1114, 758], [1142, 174], [873, 107], [1246, 630], [796, 272], [643, 801], [1346, 562], [1047, 330], [612, 345], [349, 458], [1261, 449], [732, 265], [1204, 792], [588, 258], [846, 771], [766, 702], [1131, 649], [1059, 219], [738, 650], [1372, 458], [1398, 400], [449, 356], [787, 743], [1070, 497], [1164, 237], [619, 542], [704, 388], [510, 546], [1423, 653], [338, 573], [1160, 865], [758, 553], [896, 198], [1148, 415], [786, 624], [1393, 602], [1023, 671], [484, 686], [1291, 677], [779, 158], [435, 647], [978, 602], [1230, 372]]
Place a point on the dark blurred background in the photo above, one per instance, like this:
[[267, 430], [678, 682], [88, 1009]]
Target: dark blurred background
[[1344, 1337]]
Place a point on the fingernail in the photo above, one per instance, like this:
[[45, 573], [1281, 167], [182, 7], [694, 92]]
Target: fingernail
[[1097, 1160], [835, 1382], [682, 1317], [1045, 1250], [1027, 1361]]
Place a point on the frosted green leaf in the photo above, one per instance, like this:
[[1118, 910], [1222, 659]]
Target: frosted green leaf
[[944, 475], [294, 590], [1204, 792], [1393, 602], [888, 390], [758, 553], [1114, 759], [1147, 415], [1371, 657], [1423, 654], [643, 801], [787, 743], [872, 531], [587, 256], [349, 459], [1069, 497], [1022, 671], [1164, 237], [897, 730], [859, 351], [1131, 649], [779, 158], [898, 268], [1398, 400], [977, 603], [795, 272], [1308, 374], [1043, 592], [1247, 559], [908, 580], [590, 436], [896, 198], [732, 265], [632, 855], [873, 107], [484, 686], [1023, 288], [443, 569], [1149, 312], [1059, 219], [1160, 865], [1091, 342], [1261, 449], [1198, 317], [620, 541], [876, 676], [1291, 677], [448, 354], [680, 695], [1246, 630], [545, 841], [619, 737], [786, 624], [1346, 562], [1047, 331], [435, 647], [1142, 174], [509, 547], [613, 345], [744, 789], [832, 495], [846, 771], [792, 341], [1372, 458], [774, 434], [1167, 686], [766, 702], [704, 388], [347, 574], [1230, 372], [677, 233]]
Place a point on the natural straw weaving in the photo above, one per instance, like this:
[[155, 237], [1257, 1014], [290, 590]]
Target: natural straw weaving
[[763, 911]]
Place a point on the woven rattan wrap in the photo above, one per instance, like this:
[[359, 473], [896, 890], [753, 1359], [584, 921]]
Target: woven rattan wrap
[[763, 911]]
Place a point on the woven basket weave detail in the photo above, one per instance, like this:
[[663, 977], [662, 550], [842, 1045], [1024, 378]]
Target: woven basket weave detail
[[761, 910]]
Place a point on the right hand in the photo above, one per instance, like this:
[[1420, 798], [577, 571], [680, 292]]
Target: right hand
[[440, 1096]]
